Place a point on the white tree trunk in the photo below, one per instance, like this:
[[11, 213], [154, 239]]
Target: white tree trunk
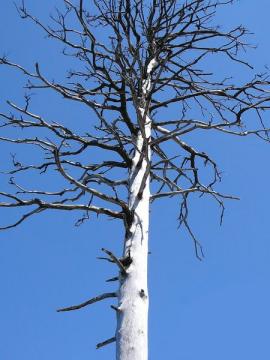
[[132, 315], [132, 324]]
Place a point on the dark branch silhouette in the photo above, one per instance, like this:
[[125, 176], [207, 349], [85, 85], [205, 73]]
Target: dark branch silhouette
[[174, 38]]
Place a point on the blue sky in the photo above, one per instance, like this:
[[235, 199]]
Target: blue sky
[[214, 309]]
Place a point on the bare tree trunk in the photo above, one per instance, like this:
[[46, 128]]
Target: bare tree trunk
[[132, 319]]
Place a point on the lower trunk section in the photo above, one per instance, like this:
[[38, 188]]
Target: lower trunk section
[[132, 329], [132, 314]]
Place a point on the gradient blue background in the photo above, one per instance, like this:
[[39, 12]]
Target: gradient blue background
[[215, 309]]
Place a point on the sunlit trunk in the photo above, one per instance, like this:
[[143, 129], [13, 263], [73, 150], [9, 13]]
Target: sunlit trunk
[[132, 327]]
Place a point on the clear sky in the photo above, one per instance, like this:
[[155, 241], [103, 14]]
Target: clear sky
[[209, 310]]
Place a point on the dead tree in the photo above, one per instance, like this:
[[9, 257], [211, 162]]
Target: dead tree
[[148, 66]]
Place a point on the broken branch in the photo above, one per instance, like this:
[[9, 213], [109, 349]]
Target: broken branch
[[106, 342]]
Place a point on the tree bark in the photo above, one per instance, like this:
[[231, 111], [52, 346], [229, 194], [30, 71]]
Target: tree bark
[[132, 314]]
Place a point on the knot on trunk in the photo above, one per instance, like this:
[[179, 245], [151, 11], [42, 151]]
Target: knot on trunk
[[126, 261], [142, 294]]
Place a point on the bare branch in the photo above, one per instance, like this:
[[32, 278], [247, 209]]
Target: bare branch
[[151, 64], [116, 278], [115, 260], [106, 342], [88, 302]]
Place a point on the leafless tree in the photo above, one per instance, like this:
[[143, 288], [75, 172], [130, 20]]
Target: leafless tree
[[150, 65]]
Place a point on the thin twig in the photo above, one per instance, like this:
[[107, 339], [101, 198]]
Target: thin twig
[[89, 302], [116, 278]]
